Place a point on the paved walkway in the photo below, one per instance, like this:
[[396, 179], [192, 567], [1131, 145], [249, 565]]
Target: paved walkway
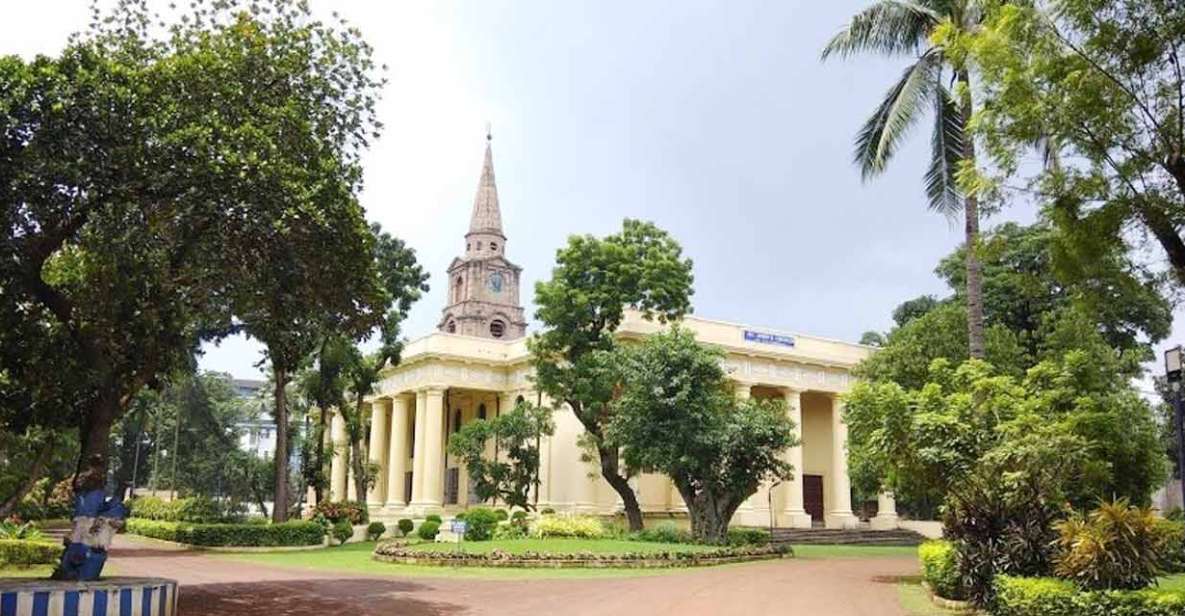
[[214, 586]]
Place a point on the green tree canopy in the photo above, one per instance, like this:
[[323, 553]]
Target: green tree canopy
[[509, 475], [581, 306], [677, 415], [150, 182], [1098, 84]]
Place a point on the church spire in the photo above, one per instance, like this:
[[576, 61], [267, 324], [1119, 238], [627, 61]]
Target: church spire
[[487, 216]]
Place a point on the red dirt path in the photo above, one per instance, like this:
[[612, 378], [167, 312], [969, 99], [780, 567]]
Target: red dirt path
[[213, 586]]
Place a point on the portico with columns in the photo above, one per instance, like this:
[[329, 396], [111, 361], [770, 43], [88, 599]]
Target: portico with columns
[[477, 366]]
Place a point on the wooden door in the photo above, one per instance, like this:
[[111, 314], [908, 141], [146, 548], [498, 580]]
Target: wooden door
[[812, 496]]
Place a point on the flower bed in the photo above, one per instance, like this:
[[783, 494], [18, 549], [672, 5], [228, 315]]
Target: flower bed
[[231, 535], [398, 552], [1017, 596]]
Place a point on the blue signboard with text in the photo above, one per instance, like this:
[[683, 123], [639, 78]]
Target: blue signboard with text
[[765, 338]]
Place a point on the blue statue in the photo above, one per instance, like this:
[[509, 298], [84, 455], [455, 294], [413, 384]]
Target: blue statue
[[96, 521]]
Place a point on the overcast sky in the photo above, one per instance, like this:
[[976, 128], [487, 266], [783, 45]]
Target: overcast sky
[[714, 119]]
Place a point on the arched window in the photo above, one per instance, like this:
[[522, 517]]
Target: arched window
[[451, 327], [519, 400], [497, 328], [481, 411], [457, 288], [457, 420]]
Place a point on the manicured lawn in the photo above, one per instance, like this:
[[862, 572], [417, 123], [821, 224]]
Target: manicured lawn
[[854, 551], [1173, 582], [915, 601], [561, 546]]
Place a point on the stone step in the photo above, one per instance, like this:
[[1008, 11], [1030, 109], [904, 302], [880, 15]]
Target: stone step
[[803, 536]]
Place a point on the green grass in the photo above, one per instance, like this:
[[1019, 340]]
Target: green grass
[[854, 551], [1173, 582], [36, 571], [915, 601], [561, 546]]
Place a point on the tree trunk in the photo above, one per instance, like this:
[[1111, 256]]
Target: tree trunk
[[319, 457], [34, 474], [280, 501], [95, 434], [975, 328], [609, 470], [358, 455], [709, 517]]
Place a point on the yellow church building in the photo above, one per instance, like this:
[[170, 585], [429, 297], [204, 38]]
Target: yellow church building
[[476, 365]]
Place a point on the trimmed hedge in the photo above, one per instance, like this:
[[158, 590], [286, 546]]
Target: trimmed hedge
[[296, 533], [195, 509], [578, 526], [480, 523], [23, 553], [1017, 596], [396, 551], [428, 530], [940, 569]]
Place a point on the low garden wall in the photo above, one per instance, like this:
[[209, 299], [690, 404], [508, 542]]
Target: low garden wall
[[287, 534], [113, 596], [397, 552]]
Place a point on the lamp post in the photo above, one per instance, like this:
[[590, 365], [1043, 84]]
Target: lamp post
[[1173, 359]]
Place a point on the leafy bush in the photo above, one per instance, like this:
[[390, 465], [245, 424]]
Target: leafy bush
[[406, 526], [940, 569], [547, 511], [663, 533], [510, 531], [1173, 552], [428, 530], [433, 517], [503, 514], [584, 527], [375, 531], [342, 531], [22, 553], [480, 523], [353, 511], [748, 536], [196, 509], [1016, 596], [1116, 546], [519, 517], [293, 533], [27, 531]]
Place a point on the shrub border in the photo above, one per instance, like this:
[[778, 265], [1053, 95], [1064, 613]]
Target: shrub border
[[949, 604], [575, 560]]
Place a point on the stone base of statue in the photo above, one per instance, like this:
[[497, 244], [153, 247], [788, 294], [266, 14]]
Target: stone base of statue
[[111, 596]]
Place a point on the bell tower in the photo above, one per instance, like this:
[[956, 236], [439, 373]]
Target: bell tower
[[483, 298]]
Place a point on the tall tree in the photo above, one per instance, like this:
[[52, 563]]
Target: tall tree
[[676, 415], [1104, 81], [141, 177], [923, 30], [509, 476], [581, 306]]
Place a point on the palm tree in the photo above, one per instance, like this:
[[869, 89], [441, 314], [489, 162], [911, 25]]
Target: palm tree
[[905, 28]]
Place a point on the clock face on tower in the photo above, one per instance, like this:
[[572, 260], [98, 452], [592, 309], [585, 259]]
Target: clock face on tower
[[494, 282]]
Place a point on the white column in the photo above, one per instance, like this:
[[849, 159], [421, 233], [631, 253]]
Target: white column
[[755, 510], [397, 451], [886, 512], [793, 513], [417, 455], [433, 486], [337, 466], [380, 410], [839, 513]]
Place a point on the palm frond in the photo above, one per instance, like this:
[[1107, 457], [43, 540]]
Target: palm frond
[[945, 155], [898, 112], [888, 27]]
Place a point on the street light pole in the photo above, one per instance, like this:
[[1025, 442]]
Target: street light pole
[[1173, 361]]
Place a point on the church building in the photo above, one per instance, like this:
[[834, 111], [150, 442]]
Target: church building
[[476, 365]]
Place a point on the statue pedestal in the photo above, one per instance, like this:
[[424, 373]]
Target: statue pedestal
[[106, 597]]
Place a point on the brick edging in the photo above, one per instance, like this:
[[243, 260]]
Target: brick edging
[[567, 563], [950, 604]]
